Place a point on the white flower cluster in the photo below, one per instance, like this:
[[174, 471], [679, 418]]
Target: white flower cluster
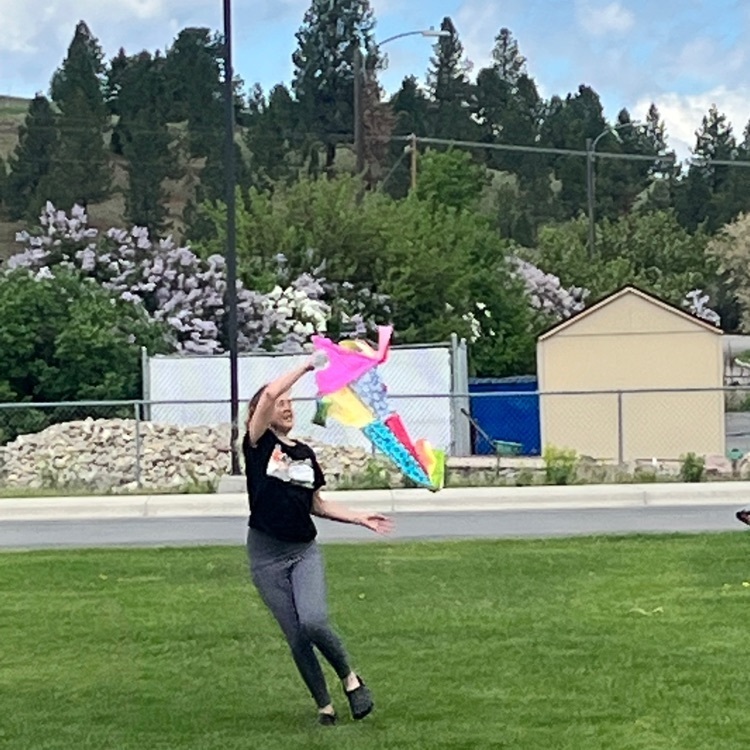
[[354, 309], [301, 307], [546, 293], [475, 320], [173, 284]]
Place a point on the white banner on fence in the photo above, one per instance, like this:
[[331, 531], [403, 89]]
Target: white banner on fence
[[419, 382]]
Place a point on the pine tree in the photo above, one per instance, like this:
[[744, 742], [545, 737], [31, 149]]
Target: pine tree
[[450, 89], [507, 106], [733, 197], [272, 137], [31, 161], [193, 72], [655, 134], [620, 183], [141, 103], [508, 109], [117, 70], [740, 177], [323, 80], [700, 198], [507, 60], [81, 173], [714, 141], [410, 106], [567, 124]]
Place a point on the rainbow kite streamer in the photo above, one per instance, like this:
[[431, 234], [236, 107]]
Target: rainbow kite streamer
[[351, 392]]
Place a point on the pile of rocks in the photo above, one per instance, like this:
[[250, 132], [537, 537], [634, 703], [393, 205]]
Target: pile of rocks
[[121, 455]]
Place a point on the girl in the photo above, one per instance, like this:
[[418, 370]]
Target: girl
[[283, 483]]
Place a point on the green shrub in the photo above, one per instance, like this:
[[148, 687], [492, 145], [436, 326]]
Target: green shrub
[[691, 468], [560, 465]]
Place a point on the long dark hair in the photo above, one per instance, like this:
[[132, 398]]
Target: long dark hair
[[253, 405]]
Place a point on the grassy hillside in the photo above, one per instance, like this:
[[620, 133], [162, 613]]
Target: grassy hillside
[[102, 215], [12, 113]]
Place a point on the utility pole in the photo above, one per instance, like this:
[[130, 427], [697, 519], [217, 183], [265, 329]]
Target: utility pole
[[590, 192], [359, 141], [230, 299], [413, 154]]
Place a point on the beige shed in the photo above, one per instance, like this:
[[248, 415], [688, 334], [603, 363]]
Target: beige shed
[[632, 377]]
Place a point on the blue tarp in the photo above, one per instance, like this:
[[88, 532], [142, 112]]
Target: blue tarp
[[509, 412]]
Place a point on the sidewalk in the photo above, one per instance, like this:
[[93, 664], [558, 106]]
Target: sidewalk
[[234, 504]]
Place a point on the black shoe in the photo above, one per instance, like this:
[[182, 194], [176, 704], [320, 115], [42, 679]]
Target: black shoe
[[744, 516], [326, 720], [360, 700]]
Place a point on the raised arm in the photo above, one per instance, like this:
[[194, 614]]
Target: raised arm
[[263, 414]]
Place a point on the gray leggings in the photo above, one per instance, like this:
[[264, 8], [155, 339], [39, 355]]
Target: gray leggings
[[291, 582]]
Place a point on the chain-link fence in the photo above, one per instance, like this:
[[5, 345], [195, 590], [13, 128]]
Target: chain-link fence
[[176, 445], [116, 447], [613, 426], [82, 445]]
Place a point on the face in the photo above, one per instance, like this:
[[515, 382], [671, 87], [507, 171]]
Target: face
[[283, 415]]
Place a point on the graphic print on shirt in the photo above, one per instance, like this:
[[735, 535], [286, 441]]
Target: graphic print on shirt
[[284, 467]]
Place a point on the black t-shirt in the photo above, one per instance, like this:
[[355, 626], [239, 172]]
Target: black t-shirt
[[281, 482]]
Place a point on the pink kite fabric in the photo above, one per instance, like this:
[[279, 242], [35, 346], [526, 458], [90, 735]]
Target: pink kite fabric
[[347, 365], [351, 392]]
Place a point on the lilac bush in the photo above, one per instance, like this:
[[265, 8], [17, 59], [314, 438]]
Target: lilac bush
[[546, 293], [173, 284], [697, 303]]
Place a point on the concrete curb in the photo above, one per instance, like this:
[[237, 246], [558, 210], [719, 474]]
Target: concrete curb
[[388, 501]]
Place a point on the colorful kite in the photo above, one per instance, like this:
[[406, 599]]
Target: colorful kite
[[351, 392]]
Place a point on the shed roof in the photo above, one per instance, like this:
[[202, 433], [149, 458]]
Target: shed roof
[[610, 298]]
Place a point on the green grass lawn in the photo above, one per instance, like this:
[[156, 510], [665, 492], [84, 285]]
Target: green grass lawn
[[584, 644]]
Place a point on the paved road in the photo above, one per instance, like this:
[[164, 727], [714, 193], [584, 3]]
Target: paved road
[[451, 525]]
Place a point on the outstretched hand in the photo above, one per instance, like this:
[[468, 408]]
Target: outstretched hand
[[376, 522]]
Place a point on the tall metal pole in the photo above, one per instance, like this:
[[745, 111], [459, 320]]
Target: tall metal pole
[[591, 177], [590, 192], [230, 302], [413, 162], [360, 70], [359, 141]]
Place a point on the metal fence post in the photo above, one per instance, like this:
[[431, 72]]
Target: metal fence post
[[137, 410], [453, 406], [145, 381], [459, 398], [620, 431]]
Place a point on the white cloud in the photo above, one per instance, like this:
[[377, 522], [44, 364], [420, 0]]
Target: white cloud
[[478, 24], [36, 36], [690, 60], [600, 20], [683, 113]]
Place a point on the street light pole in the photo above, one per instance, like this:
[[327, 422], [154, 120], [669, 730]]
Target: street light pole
[[590, 177], [590, 191], [360, 70], [230, 299], [359, 141]]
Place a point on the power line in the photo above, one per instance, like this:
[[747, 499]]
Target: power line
[[297, 140], [532, 149]]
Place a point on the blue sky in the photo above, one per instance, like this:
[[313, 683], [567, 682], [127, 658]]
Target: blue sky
[[685, 55]]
